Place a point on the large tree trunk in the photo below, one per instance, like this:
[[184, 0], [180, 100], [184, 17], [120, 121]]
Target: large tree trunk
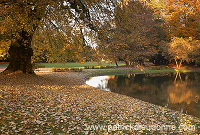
[[20, 53]]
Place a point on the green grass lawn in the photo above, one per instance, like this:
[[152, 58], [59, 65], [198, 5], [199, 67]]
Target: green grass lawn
[[76, 65], [69, 65], [3, 64], [125, 71]]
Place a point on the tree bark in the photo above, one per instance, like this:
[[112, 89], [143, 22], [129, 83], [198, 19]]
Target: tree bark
[[116, 63], [180, 63], [176, 63], [127, 63], [20, 53]]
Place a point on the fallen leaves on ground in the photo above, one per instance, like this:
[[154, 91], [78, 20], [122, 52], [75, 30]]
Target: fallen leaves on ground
[[50, 103]]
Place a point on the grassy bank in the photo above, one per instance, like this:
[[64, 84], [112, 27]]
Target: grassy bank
[[69, 65], [111, 71], [122, 71], [75, 65], [3, 64]]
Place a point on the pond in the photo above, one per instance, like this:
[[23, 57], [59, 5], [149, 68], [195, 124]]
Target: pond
[[177, 91]]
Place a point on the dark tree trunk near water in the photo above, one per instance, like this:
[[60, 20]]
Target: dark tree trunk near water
[[116, 63], [20, 53]]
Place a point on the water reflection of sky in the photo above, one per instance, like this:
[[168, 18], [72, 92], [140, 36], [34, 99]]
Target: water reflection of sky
[[99, 82]]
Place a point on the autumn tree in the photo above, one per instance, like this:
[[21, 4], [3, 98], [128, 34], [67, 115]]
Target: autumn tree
[[179, 50], [54, 46], [131, 34], [21, 19], [180, 19], [195, 54]]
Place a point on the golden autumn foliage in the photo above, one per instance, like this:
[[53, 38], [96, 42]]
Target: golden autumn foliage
[[182, 18], [179, 50], [21, 19]]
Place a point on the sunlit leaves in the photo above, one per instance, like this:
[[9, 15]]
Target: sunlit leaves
[[60, 103], [63, 19], [54, 46], [179, 50], [182, 18]]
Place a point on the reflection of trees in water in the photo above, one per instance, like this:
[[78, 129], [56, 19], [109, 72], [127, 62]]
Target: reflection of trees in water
[[139, 86], [182, 94], [178, 91]]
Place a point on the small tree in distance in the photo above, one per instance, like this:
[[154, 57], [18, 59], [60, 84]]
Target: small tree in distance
[[179, 50]]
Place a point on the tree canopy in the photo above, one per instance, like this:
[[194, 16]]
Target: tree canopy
[[63, 30], [133, 34], [64, 18]]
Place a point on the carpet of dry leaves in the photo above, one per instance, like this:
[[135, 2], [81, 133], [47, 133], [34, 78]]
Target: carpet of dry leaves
[[61, 103]]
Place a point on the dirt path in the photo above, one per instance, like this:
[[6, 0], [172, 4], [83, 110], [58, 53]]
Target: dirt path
[[52, 103]]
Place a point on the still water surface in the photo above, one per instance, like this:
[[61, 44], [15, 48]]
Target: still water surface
[[177, 91]]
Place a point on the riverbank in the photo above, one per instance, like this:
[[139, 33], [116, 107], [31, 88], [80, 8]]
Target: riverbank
[[52, 102], [124, 71]]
